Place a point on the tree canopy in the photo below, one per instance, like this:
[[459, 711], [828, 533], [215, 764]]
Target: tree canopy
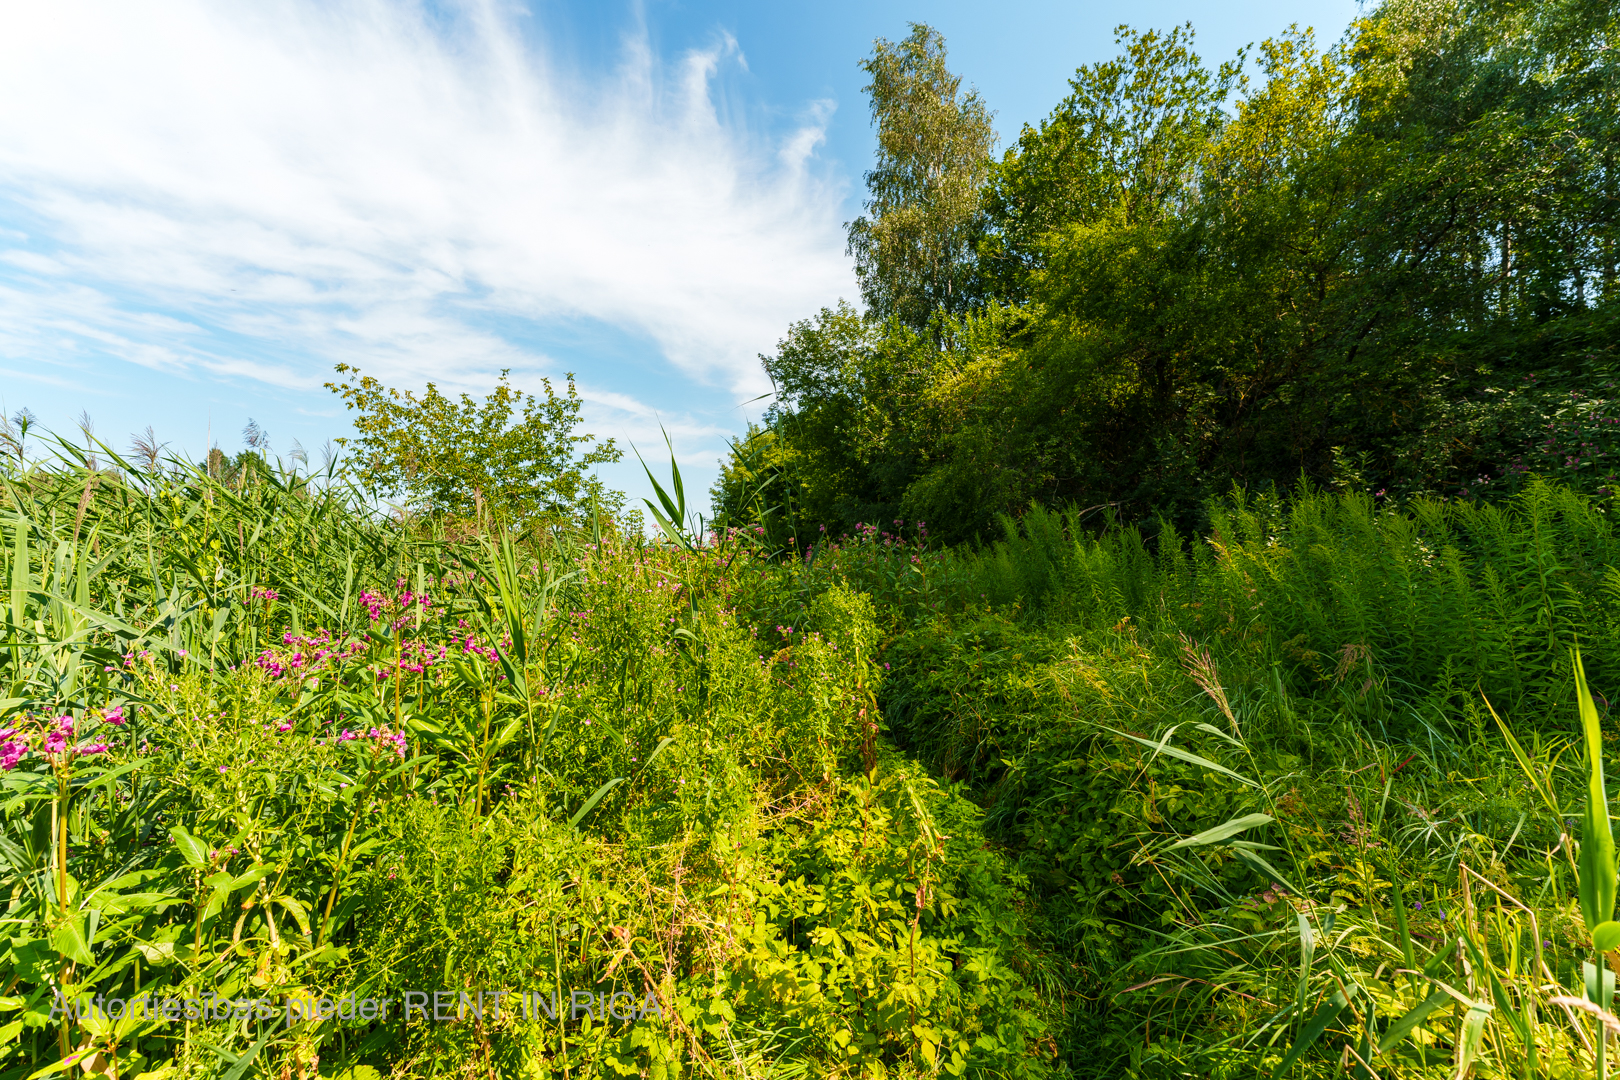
[[512, 458], [1388, 263]]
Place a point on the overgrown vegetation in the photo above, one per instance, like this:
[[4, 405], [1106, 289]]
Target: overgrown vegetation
[[263, 744], [1386, 263], [1262, 732], [1297, 792]]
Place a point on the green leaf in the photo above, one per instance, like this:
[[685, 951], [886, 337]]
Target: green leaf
[[1222, 832], [296, 909], [20, 583], [1400, 1029], [120, 903], [248, 1058], [1596, 863], [1163, 747], [1498, 992], [663, 744], [1606, 936], [71, 1061], [1256, 860], [1599, 984], [251, 875], [192, 849], [590, 804], [68, 939], [1472, 1029], [1325, 1016]]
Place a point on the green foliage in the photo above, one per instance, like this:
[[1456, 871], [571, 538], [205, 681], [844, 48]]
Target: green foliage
[[914, 254], [1388, 263], [1254, 788], [263, 743], [884, 939], [1122, 148], [514, 458]]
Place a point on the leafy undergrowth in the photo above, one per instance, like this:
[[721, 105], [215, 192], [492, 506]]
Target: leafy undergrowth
[[1233, 805], [263, 747], [1268, 818]]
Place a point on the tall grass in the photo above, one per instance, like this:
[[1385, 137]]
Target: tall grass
[[261, 741]]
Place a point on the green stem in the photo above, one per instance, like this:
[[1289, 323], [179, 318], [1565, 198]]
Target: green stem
[[343, 854]]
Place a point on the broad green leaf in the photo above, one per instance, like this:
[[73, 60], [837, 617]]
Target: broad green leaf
[[663, 744], [590, 804], [192, 849], [251, 875], [1400, 1029], [296, 909], [247, 1059], [1599, 984], [1472, 1029], [68, 939], [1596, 863], [1223, 832], [120, 903], [1256, 860]]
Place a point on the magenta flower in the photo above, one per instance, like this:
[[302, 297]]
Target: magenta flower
[[12, 749], [114, 716], [92, 748], [55, 742]]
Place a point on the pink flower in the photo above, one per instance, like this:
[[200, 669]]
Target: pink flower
[[11, 749], [55, 742], [114, 716], [93, 748]]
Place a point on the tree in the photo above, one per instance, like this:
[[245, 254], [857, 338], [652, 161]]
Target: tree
[[1124, 146], [1394, 259], [914, 253], [511, 458]]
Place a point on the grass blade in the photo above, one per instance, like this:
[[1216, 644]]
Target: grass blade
[[1222, 832], [1325, 1017]]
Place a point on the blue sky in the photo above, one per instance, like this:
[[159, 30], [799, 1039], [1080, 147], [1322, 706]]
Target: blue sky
[[205, 205]]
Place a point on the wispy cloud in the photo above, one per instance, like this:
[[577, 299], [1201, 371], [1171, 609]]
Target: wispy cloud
[[259, 190]]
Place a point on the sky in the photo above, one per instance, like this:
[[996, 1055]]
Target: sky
[[205, 206]]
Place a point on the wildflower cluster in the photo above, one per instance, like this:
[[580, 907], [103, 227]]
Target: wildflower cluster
[[470, 645], [311, 654], [398, 609], [55, 738], [396, 739]]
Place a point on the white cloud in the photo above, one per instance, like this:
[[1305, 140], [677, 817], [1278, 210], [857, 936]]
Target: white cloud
[[260, 190]]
